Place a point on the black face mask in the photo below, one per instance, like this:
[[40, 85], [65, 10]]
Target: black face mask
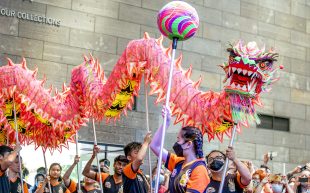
[[216, 165], [178, 149]]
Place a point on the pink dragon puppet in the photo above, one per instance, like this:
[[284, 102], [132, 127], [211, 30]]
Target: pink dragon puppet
[[50, 121]]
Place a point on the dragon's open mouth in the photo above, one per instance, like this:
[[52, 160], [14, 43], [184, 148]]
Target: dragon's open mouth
[[242, 78]]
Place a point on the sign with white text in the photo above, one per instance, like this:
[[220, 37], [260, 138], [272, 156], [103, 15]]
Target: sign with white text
[[29, 17]]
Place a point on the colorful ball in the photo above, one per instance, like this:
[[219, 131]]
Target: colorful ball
[[178, 19]]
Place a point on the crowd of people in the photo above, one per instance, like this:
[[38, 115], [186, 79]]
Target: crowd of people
[[185, 170]]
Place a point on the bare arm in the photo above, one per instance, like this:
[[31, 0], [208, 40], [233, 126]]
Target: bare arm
[[266, 159], [294, 171], [242, 169], [142, 152], [288, 188], [5, 164], [87, 172], [260, 187], [295, 186], [156, 142], [244, 172], [66, 176]]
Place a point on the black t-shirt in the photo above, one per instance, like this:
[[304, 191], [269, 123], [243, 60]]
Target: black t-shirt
[[15, 187], [133, 182], [109, 185], [59, 187], [4, 182], [232, 185]]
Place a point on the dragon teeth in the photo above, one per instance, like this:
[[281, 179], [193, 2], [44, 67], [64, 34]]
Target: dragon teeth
[[239, 70], [244, 72], [250, 85], [254, 86], [253, 75], [234, 69], [249, 73], [244, 88]]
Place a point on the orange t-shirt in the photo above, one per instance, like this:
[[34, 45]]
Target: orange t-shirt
[[104, 176], [196, 181]]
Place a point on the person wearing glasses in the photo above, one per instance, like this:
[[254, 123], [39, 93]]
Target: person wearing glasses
[[236, 181]]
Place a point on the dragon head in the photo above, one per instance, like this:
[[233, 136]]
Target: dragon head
[[249, 70]]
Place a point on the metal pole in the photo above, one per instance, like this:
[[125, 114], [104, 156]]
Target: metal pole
[[98, 165], [148, 130], [46, 171], [174, 46], [77, 166], [17, 143], [227, 160]]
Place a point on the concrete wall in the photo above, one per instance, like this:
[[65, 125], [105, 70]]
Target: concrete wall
[[103, 28]]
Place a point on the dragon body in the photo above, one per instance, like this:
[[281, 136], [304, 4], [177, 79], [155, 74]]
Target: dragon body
[[51, 121]]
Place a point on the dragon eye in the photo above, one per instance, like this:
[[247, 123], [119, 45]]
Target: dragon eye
[[262, 65], [231, 59]]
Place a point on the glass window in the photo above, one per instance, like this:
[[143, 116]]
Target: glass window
[[274, 123]]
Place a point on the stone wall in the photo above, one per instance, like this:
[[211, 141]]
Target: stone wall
[[104, 27]]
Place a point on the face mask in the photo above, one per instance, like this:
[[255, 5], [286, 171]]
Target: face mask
[[304, 184], [178, 149], [216, 165], [255, 183], [277, 188]]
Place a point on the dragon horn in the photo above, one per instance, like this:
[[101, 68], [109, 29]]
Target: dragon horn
[[188, 73], [23, 63], [91, 57], [146, 36], [85, 58], [35, 72], [178, 62], [159, 41], [198, 83], [43, 81], [10, 63]]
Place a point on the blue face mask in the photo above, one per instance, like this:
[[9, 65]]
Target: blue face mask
[[161, 180], [277, 188]]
